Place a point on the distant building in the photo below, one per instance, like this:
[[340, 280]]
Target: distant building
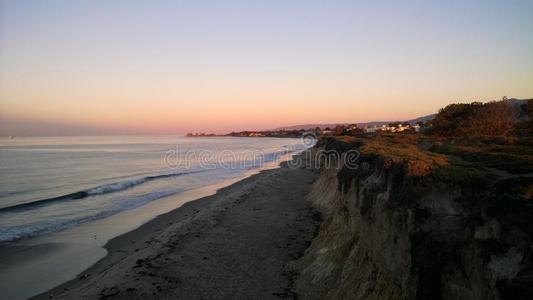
[[396, 127], [402, 127], [256, 134], [352, 127]]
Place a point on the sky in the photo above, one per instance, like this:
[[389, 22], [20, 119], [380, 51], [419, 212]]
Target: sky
[[163, 67]]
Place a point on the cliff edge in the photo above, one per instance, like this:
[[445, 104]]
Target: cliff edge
[[413, 223]]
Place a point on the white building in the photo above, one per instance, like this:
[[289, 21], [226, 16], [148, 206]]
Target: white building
[[372, 129]]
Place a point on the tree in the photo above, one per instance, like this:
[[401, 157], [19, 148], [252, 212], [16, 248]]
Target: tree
[[339, 130], [525, 125], [491, 119], [354, 131]]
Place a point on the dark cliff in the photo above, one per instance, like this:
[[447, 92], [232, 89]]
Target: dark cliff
[[411, 224]]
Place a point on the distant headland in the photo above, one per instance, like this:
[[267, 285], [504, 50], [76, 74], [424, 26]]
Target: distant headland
[[247, 133]]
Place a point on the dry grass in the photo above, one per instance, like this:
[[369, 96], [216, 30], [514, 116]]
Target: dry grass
[[402, 149], [423, 155]]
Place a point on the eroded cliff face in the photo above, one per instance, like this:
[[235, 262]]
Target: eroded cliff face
[[389, 235]]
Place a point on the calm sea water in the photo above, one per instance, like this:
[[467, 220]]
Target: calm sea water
[[51, 184]]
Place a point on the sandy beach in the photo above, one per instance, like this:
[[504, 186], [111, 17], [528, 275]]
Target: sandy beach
[[235, 244]]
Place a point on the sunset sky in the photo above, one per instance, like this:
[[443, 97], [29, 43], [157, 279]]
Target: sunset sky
[[106, 67]]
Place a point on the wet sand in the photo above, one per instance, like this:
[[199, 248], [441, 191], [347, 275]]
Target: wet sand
[[235, 244]]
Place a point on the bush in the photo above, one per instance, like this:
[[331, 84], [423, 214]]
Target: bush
[[492, 119]]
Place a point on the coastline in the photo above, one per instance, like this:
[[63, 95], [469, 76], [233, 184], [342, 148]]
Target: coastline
[[63, 255], [235, 243]]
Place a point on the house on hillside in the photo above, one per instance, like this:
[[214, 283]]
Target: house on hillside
[[402, 127], [372, 129], [396, 127], [351, 127], [256, 134]]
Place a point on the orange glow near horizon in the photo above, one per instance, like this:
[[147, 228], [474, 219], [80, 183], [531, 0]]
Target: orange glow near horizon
[[222, 107], [230, 67]]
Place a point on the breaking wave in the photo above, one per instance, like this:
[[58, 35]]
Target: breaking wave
[[99, 190]]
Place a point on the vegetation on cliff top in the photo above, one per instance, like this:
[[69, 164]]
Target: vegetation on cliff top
[[464, 142], [484, 120], [452, 160], [403, 149]]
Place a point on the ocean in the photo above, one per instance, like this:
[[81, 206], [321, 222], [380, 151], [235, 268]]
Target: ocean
[[63, 198], [49, 184]]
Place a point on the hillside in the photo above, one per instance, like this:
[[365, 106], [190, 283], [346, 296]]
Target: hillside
[[360, 124], [511, 102]]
